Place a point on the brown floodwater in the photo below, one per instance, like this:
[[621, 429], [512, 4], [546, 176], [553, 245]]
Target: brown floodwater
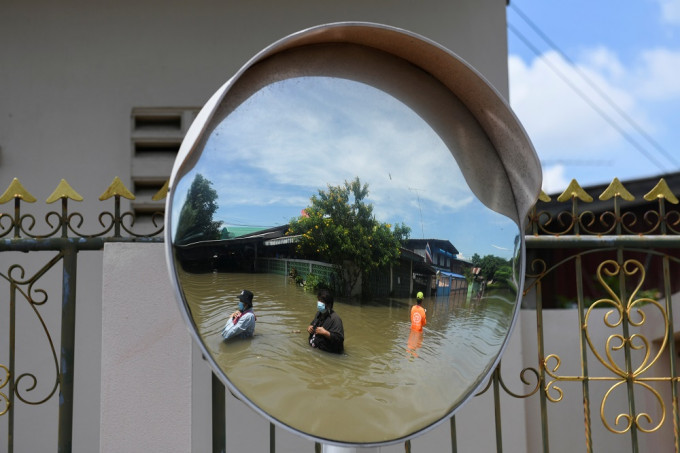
[[389, 383]]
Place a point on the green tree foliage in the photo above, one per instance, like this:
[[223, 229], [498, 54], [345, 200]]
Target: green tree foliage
[[196, 216], [493, 267], [339, 227]]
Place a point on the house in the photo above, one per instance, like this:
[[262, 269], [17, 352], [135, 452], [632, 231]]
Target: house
[[442, 272]]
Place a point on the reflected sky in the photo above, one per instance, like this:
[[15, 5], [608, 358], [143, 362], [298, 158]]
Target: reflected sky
[[296, 136]]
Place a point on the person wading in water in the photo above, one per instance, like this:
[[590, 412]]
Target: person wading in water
[[418, 318], [241, 323], [325, 330]]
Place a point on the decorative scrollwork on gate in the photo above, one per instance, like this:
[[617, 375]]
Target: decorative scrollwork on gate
[[4, 399], [522, 376], [25, 288], [65, 222], [624, 313], [554, 220]]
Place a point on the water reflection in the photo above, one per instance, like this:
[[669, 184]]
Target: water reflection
[[395, 387]]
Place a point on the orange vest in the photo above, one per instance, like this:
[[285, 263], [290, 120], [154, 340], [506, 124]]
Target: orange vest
[[418, 319]]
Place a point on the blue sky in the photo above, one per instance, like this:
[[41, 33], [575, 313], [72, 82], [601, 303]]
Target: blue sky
[[293, 138], [630, 51]]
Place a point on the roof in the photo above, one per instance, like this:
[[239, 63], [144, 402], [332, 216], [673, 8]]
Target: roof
[[443, 244], [241, 231]]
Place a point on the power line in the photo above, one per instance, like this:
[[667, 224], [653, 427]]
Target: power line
[[597, 89]]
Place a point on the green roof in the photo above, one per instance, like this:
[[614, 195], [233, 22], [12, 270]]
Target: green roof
[[231, 232]]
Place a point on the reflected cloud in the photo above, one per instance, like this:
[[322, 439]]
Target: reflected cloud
[[296, 136]]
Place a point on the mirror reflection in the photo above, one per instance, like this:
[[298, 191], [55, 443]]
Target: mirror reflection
[[317, 183]]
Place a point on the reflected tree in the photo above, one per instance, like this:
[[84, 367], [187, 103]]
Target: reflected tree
[[339, 227], [493, 268], [196, 216]]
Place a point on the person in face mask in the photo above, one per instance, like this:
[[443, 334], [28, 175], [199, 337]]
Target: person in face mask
[[326, 331], [241, 323]]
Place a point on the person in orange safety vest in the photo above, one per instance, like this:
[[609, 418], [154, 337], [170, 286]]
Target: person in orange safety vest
[[418, 318]]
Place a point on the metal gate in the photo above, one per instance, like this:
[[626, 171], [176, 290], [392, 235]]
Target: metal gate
[[611, 265]]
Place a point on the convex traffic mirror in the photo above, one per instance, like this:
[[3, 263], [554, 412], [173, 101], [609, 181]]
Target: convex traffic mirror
[[373, 162]]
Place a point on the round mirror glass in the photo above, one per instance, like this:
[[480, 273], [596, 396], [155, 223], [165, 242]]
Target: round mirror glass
[[341, 166]]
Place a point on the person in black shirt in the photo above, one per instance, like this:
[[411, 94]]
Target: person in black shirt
[[326, 331]]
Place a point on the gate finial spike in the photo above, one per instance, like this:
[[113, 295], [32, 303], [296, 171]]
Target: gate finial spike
[[117, 188], [64, 190], [544, 196], [616, 189], [574, 191], [661, 190], [162, 193], [16, 190]]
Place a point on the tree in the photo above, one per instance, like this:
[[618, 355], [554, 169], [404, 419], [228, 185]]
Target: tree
[[503, 275], [492, 265], [196, 216], [339, 227]]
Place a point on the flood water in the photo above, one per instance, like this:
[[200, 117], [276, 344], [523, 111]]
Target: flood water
[[389, 383]]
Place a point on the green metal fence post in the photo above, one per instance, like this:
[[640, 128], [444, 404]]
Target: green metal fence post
[[219, 441], [68, 331]]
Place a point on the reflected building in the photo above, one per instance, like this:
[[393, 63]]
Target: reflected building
[[441, 272], [428, 265]]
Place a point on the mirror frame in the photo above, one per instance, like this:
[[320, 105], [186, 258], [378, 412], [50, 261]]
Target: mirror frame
[[511, 157]]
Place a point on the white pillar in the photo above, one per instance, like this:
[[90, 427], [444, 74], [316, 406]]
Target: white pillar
[[146, 402]]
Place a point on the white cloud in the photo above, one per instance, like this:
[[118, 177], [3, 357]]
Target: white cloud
[[657, 76], [670, 11], [558, 119], [554, 179], [604, 61]]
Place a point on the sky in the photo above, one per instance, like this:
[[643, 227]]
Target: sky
[[596, 85], [295, 137]]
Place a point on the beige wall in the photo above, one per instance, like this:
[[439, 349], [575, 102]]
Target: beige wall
[[73, 70]]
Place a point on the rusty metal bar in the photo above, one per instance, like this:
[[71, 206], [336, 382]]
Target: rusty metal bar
[[11, 365], [272, 438], [593, 242], [52, 244], [68, 334], [584, 354], [545, 432], [497, 409], [672, 353], [219, 440], [626, 348]]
